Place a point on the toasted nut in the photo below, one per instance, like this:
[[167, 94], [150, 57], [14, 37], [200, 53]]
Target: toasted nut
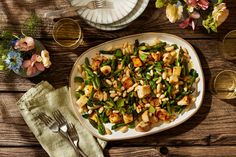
[[122, 88], [136, 69], [108, 131], [112, 92], [124, 94], [164, 75], [123, 129], [101, 109], [170, 48], [80, 69], [151, 73], [159, 88], [105, 96], [158, 95], [116, 98], [115, 111], [108, 82], [113, 95], [147, 105], [90, 111], [162, 96]]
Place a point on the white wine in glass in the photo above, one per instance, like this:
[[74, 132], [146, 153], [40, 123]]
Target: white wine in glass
[[67, 33], [228, 46], [223, 85]]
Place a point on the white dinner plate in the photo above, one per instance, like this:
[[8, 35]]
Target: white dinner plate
[[134, 14], [116, 10], [144, 37], [106, 27]]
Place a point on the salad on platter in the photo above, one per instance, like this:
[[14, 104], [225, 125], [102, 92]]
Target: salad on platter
[[135, 86]]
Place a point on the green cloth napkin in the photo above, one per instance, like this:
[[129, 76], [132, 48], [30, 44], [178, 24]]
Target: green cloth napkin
[[44, 98]]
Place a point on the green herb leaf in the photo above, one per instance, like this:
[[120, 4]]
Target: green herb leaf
[[143, 56], [160, 3], [152, 109]]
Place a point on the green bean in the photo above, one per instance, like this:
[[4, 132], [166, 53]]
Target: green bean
[[113, 64], [106, 52], [93, 123], [194, 75], [132, 125], [103, 117], [117, 72], [88, 70], [78, 79], [106, 62], [117, 126], [136, 44], [96, 82], [101, 128], [78, 94], [86, 62], [90, 100], [85, 115], [153, 84], [118, 53]]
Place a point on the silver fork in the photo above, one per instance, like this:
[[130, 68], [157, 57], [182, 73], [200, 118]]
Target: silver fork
[[96, 4], [63, 125], [49, 122], [73, 134], [55, 127]]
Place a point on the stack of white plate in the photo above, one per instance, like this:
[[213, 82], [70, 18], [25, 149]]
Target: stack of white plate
[[117, 15]]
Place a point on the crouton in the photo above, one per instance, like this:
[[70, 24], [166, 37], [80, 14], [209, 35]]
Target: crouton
[[143, 91]]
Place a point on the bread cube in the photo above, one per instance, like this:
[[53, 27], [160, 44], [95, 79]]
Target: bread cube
[[143, 91], [82, 101], [127, 118], [177, 70]]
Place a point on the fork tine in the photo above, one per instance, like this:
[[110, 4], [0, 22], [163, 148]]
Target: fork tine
[[100, 3], [59, 117], [46, 119], [72, 130]]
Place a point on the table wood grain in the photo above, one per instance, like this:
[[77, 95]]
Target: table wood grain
[[210, 132]]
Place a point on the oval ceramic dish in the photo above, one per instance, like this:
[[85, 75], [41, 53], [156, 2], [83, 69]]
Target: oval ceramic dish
[[144, 37]]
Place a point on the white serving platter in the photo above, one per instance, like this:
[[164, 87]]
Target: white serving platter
[[144, 37]]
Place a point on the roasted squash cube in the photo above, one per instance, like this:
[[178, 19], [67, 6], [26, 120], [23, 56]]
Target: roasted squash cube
[[128, 83], [137, 62]]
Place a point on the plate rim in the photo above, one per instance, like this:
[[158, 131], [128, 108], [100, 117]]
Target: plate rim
[[80, 14], [121, 25], [139, 13], [146, 133]]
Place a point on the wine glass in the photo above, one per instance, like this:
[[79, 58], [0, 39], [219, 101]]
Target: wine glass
[[223, 85]]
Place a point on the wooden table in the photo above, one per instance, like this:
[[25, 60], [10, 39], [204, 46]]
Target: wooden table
[[210, 132]]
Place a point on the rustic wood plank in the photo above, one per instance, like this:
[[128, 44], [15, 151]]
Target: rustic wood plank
[[220, 151], [211, 59], [152, 19], [22, 151], [204, 128], [224, 151]]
